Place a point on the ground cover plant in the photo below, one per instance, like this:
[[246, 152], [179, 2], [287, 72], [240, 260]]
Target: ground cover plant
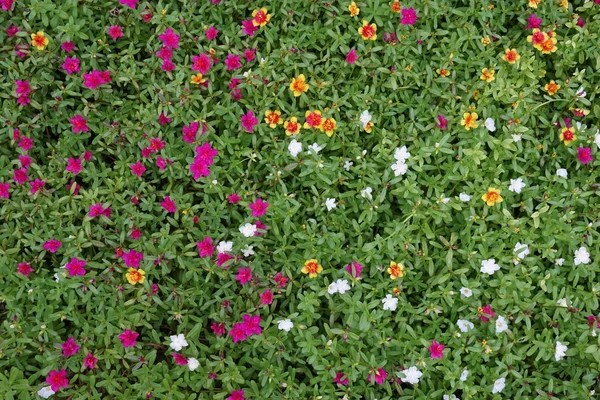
[[299, 199]]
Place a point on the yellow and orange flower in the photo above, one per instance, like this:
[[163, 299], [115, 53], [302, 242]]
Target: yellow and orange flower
[[134, 275], [273, 118], [564, 4], [469, 120], [260, 17], [354, 10], [443, 72], [299, 85], [292, 126], [536, 38], [534, 3], [567, 136], [313, 119], [312, 268], [552, 87], [511, 56], [39, 40], [368, 32], [549, 45], [492, 196], [369, 127], [487, 75], [198, 79], [396, 270], [486, 40], [328, 126], [396, 6]]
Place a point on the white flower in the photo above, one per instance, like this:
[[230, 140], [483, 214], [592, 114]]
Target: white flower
[[450, 397], [582, 256], [366, 193], [580, 126], [330, 204], [466, 292], [401, 154], [562, 302], [516, 137], [489, 266], [399, 168], [501, 324], [248, 251], [499, 385], [560, 261], [490, 125], [464, 375], [45, 392], [464, 325], [597, 138], [560, 351], [224, 247], [285, 325], [390, 303], [56, 277], [348, 164], [178, 342], [411, 375], [314, 147], [262, 61], [445, 200], [193, 363], [247, 73], [343, 286], [581, 92], [332, 288], [521, 250], [516, 185], [248, 229], [562, 173], [365, 118], [464, 197], [294, 147]]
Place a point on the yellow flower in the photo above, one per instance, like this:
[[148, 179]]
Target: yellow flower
[[564, 4], [292, 127], [396, 270], [368, 32], [135, 275], [354, 10], [487, 75], [39, 40], [273, 118], [312, 268], [511, 56], [369, 127], [534, 3], [328, 126], [469, 120], [299, 85], [198, 79], [567, 136], [492, 197], [260, 17], [486, 40], [549, 45], [552, 87], [443, 72]]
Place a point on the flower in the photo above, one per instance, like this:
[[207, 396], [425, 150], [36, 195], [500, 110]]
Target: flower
[[330, 204], [379, 375], [584, 155], [71, 65], [466, 292], [224, 247], [233, 62], [436, 349], [354, 269], [351, 57], [168, 205], [464, 325], [339, 379], [533, 22], [129, 3], [409, 16], [328, 126], [57, 379], [39, 40], [312, 268], [492, 197], [260, 17], [366, 193], [342, 286], [134, 275], [511, 56], [248, 230], [249, 121], [96, 78], [295, 147], [501, 324], [211, 33], [133, 258], [464, 197], [52, 245], [489, 266], [70, 348], [560, 351], [442, 122], [561, 172], [537, 39], [390, 303], [490, 125], [285, 325], [487, 75], [521, 250], [332, 288], [178, 342], [115, 32], [76, 267], [368, 32], [567, 135], [198, 79], [549, 45], [516, 185], [354, 10], [499, 383], [469, 120], [365, 118], [201, 63], [299, 86], [266, 297], [313, 120], [192, 363], [292, 127], [411, 375], [273, 118], [249, 28], [552, 87], [24, 269], [259, 208], [582, 256], [396, 270], [45, 392], [237, 395], [463, 375], [90, 361], [128, 338]]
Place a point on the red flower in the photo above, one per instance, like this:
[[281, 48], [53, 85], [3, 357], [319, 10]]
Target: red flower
[[163, 119], [249, 54], [179, 359], [338, 379], [379, 376], [266, 297], [442, 122], [57, 379], [354, 269], [281, 280], [218, 328]]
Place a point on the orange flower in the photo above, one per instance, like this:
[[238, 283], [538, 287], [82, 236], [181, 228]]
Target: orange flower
[[354, 10], [312, 268], [273, 118], [534, 3], [369, 127], [487, 75], [396, 6], [469, 120], [567, 136], [328, 126], [537, 37], [39, 40], [134, 275], [552, 88], [511, 56], [486, 40], [313, 120], [368, 32], [492, 197], [443, 72], [198, 79], [549, 46], [292, 127], [260, 17], [396, 270], [299, 85]]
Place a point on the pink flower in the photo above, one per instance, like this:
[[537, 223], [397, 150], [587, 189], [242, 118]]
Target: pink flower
[[244, 275], [135, 234], [170, 38], [76, 267], [198, 168], [138, 168], [233, 198], [259, 208], [129, 3], [238, 332], [36, 185], [163, 119], [74, 165], [165, 53], [71, 65], [442, 122], [98, 209], [128, 338], [584, 155], [205, 247], [169, 205], [22, 87], [67, 46], [266, 297], [237, 395], [236, 94], [161, 163], [190, 131], [25, 161], [6, 4], [70, 348], [222, 258], [115, 32], [206, 153], [249, 28], [211, 33], [409, 16], [90, 361], [218, 328], [249, 54], [179, 359], [351, 57], [79, 124], [4, 190], [533, 22], [12, 30], [380, 375], [338, 379], [147, 16], [201, 63], [24, 269], [232, 62], [52, 245], [87, 155], [580, 22], [281, 280], [20, 176], [481, 311], [96, 78], [252, 324], [133, 258], [354, 269], [260, 228], [25, 143], [436, 350], [249, 121], [167, 66], [57, 379]]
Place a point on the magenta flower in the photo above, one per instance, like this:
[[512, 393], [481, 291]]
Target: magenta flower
[[252, 324], [169, 38], [179, 359], [483, 311], [129, 3], [190, 131], [76, 267], [4, 190], [168, 205], [165, 53], [436, 350], [238, 332], [205, 247], [67, 46], [249, 121], [25, 161], [133, 258], [233, 198], [12, 30], [338, 379], [52, 245], [584, 155], [74, 166], [36, 185], [232, 62], [201, 63], [351, 57], [218, 328], [138, 168], [79, 124], [259, 208], [90, 361], [533, 22], [249, 28], [244, 275], [237, 395], [163, 119], [70, 348], [128, 338], [409, 16], [354, 269], [71, 65], [211, 33], [96, 78], [98, 209], [167, 66], [20, 176], [266, 297], [24, 269], [57, 379], [115, 32], [379, 375], [25, 143], [442, 122], [249, 54]]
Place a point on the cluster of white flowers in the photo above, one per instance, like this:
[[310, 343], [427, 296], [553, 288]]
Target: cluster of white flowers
[[340, 286], [401, 154]]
